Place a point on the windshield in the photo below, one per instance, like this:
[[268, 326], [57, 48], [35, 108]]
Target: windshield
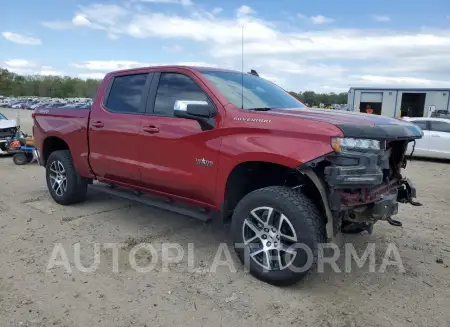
[[258, 92], [2, 117]]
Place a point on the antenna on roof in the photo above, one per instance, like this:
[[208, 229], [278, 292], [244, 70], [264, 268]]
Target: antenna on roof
[[242, 69]]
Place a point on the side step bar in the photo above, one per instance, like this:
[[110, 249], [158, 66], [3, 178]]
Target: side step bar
[[161, 203]]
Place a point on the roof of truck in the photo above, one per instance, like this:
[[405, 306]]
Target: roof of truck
[[198, 68]]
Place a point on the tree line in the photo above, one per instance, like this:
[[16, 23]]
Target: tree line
[[315, 99], [12, 84]]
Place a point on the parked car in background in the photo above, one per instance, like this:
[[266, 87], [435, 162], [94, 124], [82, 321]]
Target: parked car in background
[[8, 130], [32, 103], [440, 114], [435, 142]]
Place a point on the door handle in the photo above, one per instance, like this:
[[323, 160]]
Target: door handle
[[433, 135], [97, 124], [151, 129]]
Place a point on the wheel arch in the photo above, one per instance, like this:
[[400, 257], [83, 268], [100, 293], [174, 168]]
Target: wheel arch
[[52, 144], [247, 176]]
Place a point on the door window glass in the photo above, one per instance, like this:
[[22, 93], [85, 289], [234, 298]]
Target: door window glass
[[173, 87], [440, 126], [421, 123]]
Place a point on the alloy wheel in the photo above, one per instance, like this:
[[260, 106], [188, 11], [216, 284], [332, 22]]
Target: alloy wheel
[[58, 178], [269, 235]]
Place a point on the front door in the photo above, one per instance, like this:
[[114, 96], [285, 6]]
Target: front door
[[178, 156], [440, 138], [115, 126], [422, 145]]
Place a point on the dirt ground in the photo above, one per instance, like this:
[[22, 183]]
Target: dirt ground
[[31, 224]]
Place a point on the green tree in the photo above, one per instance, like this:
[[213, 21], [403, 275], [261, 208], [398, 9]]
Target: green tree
[[12, 84]]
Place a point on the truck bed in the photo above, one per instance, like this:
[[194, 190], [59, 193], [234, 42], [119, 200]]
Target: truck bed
[[68, 124]]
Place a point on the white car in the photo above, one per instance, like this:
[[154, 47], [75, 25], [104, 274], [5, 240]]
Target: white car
[[435, 142], [8, 129]]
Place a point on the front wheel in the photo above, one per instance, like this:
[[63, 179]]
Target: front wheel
[[277, 232], [63, 182], [21, 158]]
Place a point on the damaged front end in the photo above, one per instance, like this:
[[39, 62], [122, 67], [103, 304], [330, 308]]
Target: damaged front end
[[9, 134], [364, 183]]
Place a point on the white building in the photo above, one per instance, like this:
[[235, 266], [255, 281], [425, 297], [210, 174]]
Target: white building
[[398, 102]]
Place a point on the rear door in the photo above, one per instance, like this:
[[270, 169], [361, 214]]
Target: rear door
[[178, 156], [440, 138], [115, 125], [422, 147]]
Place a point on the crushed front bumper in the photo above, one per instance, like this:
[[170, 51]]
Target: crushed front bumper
[[4, 147], [385, 207]]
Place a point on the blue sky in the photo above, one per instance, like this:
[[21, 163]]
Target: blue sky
[[317, 45]]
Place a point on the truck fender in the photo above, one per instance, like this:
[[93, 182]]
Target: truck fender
[[319, 184]]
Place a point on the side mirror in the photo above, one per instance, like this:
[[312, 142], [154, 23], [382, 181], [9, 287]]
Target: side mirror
[[198, 110]]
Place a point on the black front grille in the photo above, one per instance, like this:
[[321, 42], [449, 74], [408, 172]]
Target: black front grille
[[7, 132]]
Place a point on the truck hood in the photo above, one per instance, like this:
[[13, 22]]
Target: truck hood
[[358, 125], [4, 123]]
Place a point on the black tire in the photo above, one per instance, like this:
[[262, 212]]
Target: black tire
[[76, 187], [307, 221], [29, 156], [20, 158]]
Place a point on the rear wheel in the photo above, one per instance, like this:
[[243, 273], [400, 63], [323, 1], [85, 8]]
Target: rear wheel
[[276, 232], [63, 182]]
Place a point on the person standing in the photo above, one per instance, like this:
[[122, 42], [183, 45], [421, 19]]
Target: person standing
[[369, 109]]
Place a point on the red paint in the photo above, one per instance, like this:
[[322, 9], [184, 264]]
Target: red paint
[[157, 154]]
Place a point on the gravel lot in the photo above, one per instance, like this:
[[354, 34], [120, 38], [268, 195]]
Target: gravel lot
[[31, 224]]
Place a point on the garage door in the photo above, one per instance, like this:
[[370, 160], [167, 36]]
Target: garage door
[[371, 97]]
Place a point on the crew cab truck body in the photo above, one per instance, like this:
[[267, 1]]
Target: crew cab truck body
[[239, 148]]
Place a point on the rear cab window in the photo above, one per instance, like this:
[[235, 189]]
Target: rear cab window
[[127, 94]]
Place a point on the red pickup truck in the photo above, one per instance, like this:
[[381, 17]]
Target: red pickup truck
[[225, 145]]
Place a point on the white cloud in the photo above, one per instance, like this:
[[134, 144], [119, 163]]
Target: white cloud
[[180, 2], [91, 75], [298, 58], [245, 10], [112, 65], [19, 66], [217, 10], [57, 24], [319, 19], [195, 63], [173, 48], [20, 63], [108, 65], [399, 81], [80, 20], [50, 71], [382, 18], [21, 39], [27, 67]]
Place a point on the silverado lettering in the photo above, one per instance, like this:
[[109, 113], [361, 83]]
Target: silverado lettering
[[253, 120]]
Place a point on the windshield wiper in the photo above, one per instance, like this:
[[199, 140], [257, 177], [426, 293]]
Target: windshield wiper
[[260, 109]]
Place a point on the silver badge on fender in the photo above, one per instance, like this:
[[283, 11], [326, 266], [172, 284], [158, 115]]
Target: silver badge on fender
[[204, 162]]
